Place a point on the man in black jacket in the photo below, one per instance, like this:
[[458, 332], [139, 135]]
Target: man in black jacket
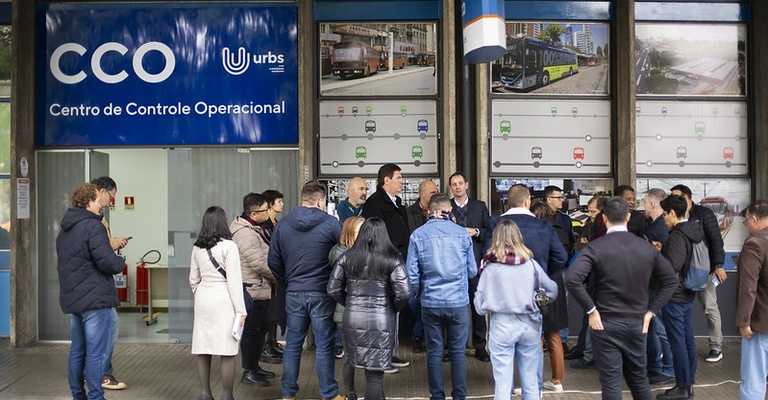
[[619, 312], [708, 297], [298, 259], [387, 205], [473, 215], [86, 263]]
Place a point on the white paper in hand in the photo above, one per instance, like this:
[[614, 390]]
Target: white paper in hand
[[237, 329]]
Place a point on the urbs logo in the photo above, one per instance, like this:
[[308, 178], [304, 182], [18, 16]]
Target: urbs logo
[[238, 63]]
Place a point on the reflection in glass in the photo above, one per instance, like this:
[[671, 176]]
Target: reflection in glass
[[5, 138]]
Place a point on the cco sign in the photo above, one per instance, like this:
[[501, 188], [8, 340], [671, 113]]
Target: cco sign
[[138, 56], [137, 76]]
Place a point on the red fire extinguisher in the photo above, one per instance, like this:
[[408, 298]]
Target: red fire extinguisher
[[142, 278]]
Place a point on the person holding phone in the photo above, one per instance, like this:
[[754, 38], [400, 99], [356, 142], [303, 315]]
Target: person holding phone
[[106, 191]]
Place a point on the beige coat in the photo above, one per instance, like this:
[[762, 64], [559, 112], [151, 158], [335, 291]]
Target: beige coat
[[253, 250]]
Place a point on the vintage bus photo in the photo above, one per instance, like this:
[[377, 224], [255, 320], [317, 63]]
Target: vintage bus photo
[[354, 59]]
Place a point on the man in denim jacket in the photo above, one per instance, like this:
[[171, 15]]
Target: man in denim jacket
[[440, 262]]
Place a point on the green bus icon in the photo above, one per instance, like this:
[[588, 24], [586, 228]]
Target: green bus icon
[[505, 126], [417, 151], [361, 152]]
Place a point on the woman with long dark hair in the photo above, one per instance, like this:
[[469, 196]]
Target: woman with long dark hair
[[371, 282], [218, 300]]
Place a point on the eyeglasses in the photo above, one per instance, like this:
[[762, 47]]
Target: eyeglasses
[[259, 211], [111, 198], [745, 221]]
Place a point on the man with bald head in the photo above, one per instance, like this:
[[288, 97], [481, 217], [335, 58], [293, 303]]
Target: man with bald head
[[352, 206], [417, 212]]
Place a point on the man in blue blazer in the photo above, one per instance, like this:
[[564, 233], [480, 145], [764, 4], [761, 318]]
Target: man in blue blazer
[[473, 215], [538, 234]]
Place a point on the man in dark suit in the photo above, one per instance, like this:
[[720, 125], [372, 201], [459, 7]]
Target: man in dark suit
[[619, 311], [473, 215], [540, 237], [387, 205]]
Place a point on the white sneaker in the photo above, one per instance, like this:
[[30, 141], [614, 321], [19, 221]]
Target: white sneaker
[[392, 370], [517, 392], [553, 387]]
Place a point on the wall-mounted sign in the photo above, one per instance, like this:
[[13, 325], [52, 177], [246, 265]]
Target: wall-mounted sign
[[554, 58], [691, 138], [550, 136], [358, 137], [381, 59], [130, 203], [691, 59], [167, 76]]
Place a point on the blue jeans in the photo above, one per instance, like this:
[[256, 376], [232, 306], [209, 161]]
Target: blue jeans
[[418, 327], [754, 366], [620, 349], [455, 321], [511, 340], [90, 334], [114, 330], [303, 309], [660, 358], [678, 320]]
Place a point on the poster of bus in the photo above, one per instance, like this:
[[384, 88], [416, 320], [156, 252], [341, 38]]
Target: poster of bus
[[375, 59], [691, 59], [554, 58]]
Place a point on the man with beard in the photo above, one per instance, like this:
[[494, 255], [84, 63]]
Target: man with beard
[[352, 206]]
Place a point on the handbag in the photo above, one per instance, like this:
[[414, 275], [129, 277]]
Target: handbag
[[246, 296], [539, 294]]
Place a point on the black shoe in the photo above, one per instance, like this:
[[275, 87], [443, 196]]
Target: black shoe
[[277, 348], [573, 354], [565, 347], [399, 363], [582, 364], [714, 356], [418, 346], [350, 396], [676, 393], [264, 374], [251, 378], [269, 356], [660, 379], [447, 357], [482, 355]]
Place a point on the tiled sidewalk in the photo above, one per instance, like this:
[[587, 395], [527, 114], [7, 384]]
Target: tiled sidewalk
[[167, 371]]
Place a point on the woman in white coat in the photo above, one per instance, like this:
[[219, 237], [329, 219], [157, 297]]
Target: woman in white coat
[[218, 301]]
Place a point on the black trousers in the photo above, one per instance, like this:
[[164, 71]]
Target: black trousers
[[479, 327], [620, 348], [255, 328]]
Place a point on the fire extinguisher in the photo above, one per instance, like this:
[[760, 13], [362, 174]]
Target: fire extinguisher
[[142, 278]]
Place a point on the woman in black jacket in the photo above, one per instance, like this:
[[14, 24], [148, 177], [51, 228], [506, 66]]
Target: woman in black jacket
[[371, 282]]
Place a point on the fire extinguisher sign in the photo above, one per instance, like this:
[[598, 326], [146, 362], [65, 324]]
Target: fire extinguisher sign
[[130, 205]]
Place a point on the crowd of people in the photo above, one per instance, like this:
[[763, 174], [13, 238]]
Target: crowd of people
[[502, 282]]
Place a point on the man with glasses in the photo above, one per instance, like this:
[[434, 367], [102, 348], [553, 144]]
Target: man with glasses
[[708, 298], [107, 190], [253, 244]]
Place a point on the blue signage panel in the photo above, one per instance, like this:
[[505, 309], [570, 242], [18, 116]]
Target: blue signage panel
[[168, 76]]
